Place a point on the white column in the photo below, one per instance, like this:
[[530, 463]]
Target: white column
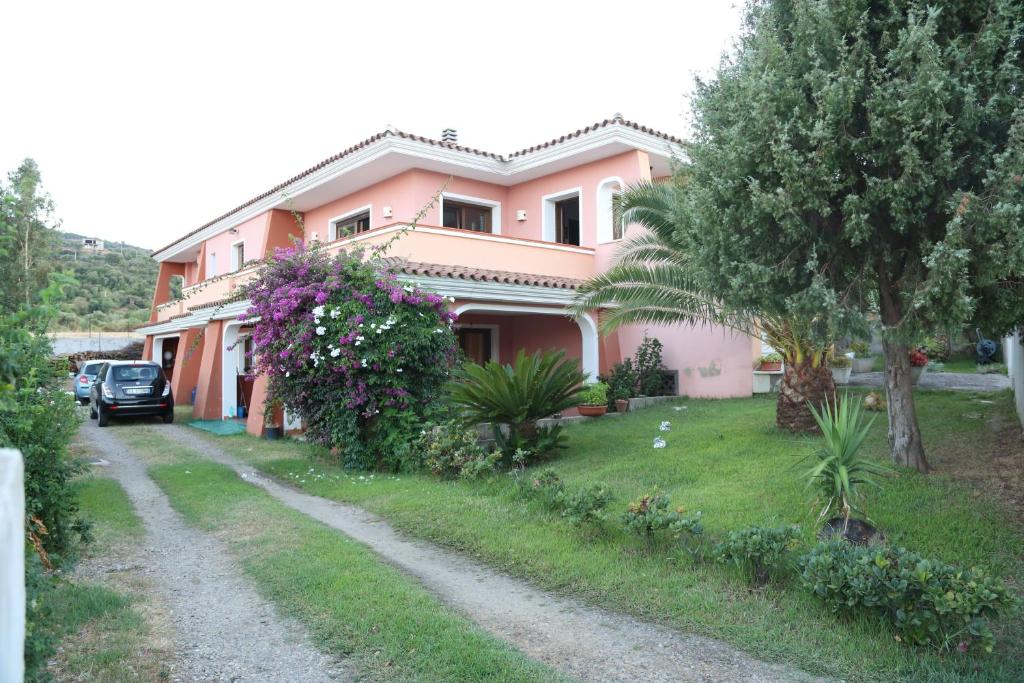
[[229, 370], [589, 356], [12, 566]]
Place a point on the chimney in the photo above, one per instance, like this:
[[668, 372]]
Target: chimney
[[450, 135]]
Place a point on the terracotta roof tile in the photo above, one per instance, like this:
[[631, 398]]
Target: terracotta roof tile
[[480, 274]]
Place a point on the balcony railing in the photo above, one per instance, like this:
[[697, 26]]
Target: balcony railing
[[423, 244]]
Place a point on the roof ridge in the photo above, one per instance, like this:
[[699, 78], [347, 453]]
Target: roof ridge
[[392, 131]]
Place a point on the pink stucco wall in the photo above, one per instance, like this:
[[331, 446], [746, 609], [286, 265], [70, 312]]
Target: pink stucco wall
[[252, 232], [532, 332]]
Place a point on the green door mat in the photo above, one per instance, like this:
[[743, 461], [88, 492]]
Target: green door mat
[[222, 427]]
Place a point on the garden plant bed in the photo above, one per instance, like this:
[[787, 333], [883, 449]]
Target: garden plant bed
[[726, 459]]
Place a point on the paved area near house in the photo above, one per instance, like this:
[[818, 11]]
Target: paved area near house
[[585, 643], [221, 629], [955, 381]]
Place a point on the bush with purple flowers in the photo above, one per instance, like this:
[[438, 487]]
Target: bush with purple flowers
[[358, 354]]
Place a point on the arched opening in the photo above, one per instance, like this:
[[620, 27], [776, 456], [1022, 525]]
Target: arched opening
[[608, 229]]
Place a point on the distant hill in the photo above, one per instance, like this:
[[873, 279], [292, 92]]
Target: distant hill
[[115, 285]]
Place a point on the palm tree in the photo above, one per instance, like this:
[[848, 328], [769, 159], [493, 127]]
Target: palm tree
[[654, 281]]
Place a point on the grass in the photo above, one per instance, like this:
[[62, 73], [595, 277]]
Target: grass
[[102, 634], [354, 605], [726, 459]]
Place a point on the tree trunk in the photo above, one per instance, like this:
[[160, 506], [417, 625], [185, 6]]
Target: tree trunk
[[904, 435], [802, 384]]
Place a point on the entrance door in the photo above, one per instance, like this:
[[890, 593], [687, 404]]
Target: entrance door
[[476, 344]]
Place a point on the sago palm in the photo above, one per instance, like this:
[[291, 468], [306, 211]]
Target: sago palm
[[654, 281], [531, 388]]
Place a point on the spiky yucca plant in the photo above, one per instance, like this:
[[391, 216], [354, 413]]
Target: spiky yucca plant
[[841, 473]]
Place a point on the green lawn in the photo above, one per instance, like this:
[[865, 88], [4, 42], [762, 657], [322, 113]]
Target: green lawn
[[725, 459], [356, 606], [102, 634]]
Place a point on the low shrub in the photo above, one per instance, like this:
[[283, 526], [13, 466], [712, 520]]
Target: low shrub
[[450, 451], [546, 487], [587, 505], [650, 369], [621, 381], [840, 361], [861, 349], [651, 513], [927, 602], [757, 550]]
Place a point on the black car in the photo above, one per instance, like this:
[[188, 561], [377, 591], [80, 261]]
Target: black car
[[127, 388]]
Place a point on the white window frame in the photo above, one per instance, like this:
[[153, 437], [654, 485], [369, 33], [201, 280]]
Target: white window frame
[[495, 331], [211, 265], [236, 263], [547, 212], [332, 224], [480, 201], [605, 214]]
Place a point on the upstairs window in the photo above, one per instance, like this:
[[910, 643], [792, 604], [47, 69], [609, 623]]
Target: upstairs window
[[349, 225], [567, 221], [237, 256], [466, 216], [211, 265]]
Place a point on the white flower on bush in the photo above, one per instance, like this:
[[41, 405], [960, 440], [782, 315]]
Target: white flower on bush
[[659, 442], [407, 288], [363, 362], [335, 313], [665, 426], [335, 353], [321, 330], [398, 370], [318, 311]]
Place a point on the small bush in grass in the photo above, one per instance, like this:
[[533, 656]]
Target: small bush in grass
[[587, 505], [757, 550], [926, 601], [451, 451], [651, 513], [546, 487]]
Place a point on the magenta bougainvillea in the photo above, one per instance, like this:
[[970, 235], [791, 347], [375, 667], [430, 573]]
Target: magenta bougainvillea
[[359, 354]]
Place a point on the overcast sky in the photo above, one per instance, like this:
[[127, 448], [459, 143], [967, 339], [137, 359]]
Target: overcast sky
[[149, 119]]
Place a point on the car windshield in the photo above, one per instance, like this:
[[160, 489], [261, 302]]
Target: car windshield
[[91, 368], [132, 373]]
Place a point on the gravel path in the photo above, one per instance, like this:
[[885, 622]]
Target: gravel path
[[955, 381], [223, 629], [585, 643]]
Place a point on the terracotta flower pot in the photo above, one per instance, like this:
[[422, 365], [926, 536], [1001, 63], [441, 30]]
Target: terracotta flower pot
[[774, 366], [592, 411], [622, 405]]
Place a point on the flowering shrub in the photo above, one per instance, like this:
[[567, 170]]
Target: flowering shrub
[[547, 487], [587, 505], [918, 359], [356, 353]]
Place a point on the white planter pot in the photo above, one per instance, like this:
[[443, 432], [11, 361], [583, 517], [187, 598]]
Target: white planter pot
[[917, 372], [841, 375], [863, 365]]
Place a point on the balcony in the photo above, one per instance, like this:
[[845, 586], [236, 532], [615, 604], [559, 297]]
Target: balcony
[[424, 244]]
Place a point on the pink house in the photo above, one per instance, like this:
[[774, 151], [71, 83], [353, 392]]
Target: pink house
[[510, 239]]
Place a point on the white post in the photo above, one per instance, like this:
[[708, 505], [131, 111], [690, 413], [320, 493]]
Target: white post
[[12, 567]]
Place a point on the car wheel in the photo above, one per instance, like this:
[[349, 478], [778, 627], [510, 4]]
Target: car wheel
[[83, 401], [103, 417], [168, 417], [92, 412]]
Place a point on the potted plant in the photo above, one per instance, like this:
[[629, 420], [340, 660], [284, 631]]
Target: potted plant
[[771, 362], [593, 400], [918, 365], [841, 367], [863, 361], [841, 475], [621, 382], [272, 419]]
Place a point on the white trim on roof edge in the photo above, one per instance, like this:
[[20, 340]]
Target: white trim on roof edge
[[503, 169]]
